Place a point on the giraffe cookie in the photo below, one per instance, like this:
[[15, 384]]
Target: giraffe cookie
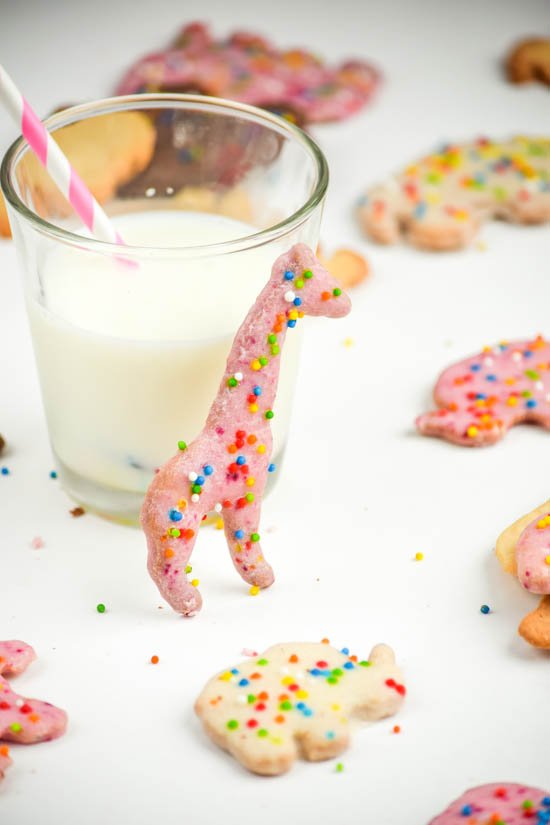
[[523, 550], [297, 698], [440, 201], [505, 804], [248, 68], [529, 61], [480, 398], [25, 721], [225, 468]]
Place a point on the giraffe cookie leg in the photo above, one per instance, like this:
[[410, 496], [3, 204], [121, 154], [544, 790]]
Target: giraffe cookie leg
[[243, 540]]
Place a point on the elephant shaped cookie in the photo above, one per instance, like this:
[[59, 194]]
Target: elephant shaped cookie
[[297, 699]]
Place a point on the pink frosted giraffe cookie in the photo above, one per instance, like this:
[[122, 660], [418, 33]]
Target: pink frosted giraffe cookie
[[498, 804], [440, 201], [523, 550], [297, 698], [25, 721], [248, 68], [225, 468], [480, 398]]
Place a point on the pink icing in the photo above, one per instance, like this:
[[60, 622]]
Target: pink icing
[[231, 455], [481, 397], [248, 68], [25, 721], [504, 804], [532, 551]]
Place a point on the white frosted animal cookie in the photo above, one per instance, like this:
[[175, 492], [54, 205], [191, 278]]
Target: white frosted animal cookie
[[297, 698]]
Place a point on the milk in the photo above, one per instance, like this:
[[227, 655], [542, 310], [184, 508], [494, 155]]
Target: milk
[[130, 358]]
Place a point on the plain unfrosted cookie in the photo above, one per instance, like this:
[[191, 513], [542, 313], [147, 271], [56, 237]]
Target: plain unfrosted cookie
[[481, 397], [25, 721], [348, 267], [529, 61], [498, 804], [297, 699], [440, 201], [523, 550]]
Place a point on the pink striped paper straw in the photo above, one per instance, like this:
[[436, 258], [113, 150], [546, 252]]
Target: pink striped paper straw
[[52, 158]]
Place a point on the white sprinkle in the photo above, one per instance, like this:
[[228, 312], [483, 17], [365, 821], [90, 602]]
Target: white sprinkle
[[289, 296], [539, 386], [19, 702], [195, 498], [516, 356], [169, 190], [238, 376], [151, 192], [488, 362], [218, 507], [192, 476], [242, 699]]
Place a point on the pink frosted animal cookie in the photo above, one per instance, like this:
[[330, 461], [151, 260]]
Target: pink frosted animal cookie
[[504, 804], [248, 68], [225, 468], [481, 397], [25, 721], [297, 699], [523, 550]]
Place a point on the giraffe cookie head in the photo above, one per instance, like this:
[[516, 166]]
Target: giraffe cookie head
[[297, 699], [308, 286]]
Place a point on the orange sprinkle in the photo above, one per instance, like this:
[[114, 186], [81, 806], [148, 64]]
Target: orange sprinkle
[[34, 718], [353, 658], [396, 729], [263, 696], [293, 658], [154, 660], [280, 719], [188, 534], [255, 675], [169, 553], [252, 439], [4, 750], [325, 641], [232, 448], [325, 296], [283, 697]]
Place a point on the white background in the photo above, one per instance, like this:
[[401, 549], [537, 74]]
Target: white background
[[360, 493]]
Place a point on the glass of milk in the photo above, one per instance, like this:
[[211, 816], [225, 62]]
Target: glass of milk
[[130, 350]]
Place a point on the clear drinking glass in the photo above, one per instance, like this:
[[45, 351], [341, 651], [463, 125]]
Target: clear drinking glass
[[130, 349]]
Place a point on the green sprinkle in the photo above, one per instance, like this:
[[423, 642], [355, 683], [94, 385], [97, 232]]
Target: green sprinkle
[[299, 284], [337, 672], [174, 532], [527, 804], [336, 292], [286, 705], [500, 193], [271, 339], [261, 661], [232, 724], [263, 360], [250, 497], [100, 608], [262, 733], [269, 414], [232, 382], [16, 727], [256, 537], [332, 680], [307, 274], [182, 445], [188, 569], [275, 350], [339, 767], [527, 394], [533, 374], [364, 663], [250, 698], [196, 488]]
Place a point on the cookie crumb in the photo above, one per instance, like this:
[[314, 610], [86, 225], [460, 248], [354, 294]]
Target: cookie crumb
[[247, 651], [37, 543], [76, 512]]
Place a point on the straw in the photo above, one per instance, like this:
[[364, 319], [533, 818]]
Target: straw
[[52, 158]]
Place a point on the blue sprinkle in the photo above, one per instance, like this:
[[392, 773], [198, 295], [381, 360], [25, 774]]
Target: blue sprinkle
[[491, 377], [315, 671], [234, 671], [257, 390], [297, 302], [301, 705], [239, 534], [244, 682], [308, 712], [175, 515], [467, 810], [481, 396], [475, 367], [349, 665], [345, 650], [528, 353], [503, 347], [330, 734], [240, 460], [208, 470], [485, 609], [53, 474], [5, 471], [289, 275], [271, 468], [291, 324], [199, 480], [531, 403], [420, 210], [546, 802]]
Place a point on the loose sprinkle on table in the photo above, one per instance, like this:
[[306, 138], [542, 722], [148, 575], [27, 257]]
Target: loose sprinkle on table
[[76, 512], [485, 609], [53, 474], [154, 660], [100, 608], [418, 556]]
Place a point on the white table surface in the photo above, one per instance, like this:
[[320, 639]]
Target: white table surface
[[360, 493]]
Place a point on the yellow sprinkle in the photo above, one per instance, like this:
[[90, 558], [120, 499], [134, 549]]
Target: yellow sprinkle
[[276, 740], [293, 315], [481, 245], [302, 694], [254, 590], [512, 401], [335, 707], [225, 677], [182, 504], [255, 365], [195, 582], [287, 680], [509, 382], [471, 432], [301, 313], [419, 556], [348, 342], [544, 522], [547, 560], [219, 523], [253, 408], [261, 448], [250, 482]]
